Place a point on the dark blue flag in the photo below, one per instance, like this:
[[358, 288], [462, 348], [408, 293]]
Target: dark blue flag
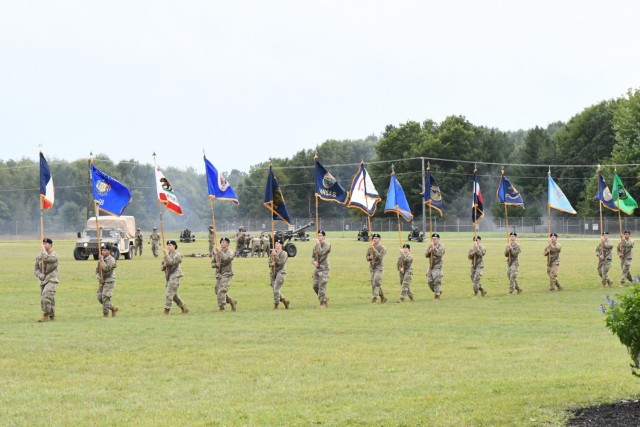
[[219, 187], [328, 188], [110, 195], [507, 193], [274, 199], [604, 195], [432, 195]]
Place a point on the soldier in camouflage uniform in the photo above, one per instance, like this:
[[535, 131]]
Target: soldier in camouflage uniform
[[625, 252], [222, 259], [604, 252], [106, 280], [46, 271], [137, 243], [173, 274], [552, 252], [155, 241], [375, 257], [476, 255], [211, 240], [278, 274], [512, 251], [405, 270], [435, 253], [320, 261], [241, 237]]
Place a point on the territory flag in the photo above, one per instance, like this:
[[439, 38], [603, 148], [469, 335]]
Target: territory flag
[[556, 198], [507, 193], [219, 187], [165, 192], [328, 188], [604, 195], [477, 208], [364, 195], [109, 194], [397, 201], [621, 197], [46, 184], [274, 199], [432, 195]]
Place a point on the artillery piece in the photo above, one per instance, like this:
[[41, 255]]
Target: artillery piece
[[286, 237]]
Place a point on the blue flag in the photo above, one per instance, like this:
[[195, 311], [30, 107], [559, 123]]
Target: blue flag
[[364, 195], [328, 188], [557, 199], [477, 207], [397, 201], [274, 199], [507, 193], [219, 187], [604, 195], [432, 195], [110, 195]]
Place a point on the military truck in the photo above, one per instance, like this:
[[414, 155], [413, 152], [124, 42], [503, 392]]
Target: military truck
[[118, 231]]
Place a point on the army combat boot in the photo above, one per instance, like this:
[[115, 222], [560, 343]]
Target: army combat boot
[[166, 311], [114, 309], [184, 309], [275, 305], [105, 314], [286, 303], [43, 319]]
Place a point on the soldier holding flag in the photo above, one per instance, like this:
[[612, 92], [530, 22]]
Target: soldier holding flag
[[46, 271]]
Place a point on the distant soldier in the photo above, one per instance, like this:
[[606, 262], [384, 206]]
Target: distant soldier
[[222, 259], [435, 253], [512, 251], [173, 274], [137, 248], [106, 280], [375, 257], [625, 252], [154, 238], [320, 261], [211, 241], [256, 246], [241, 237], [278, 274], [405, 270], [265, 244], [46, 271], [476, 255], [604, 252], [552, 252]]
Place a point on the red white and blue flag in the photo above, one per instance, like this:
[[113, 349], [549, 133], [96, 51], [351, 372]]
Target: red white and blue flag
[[46, 184]]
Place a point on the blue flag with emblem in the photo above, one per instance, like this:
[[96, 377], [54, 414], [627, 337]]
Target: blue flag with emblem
[[219, 187], [556, 199], [604, 195], [109, 194], [397, 201], [507, 193], [328, 188], [274, 199], [432, 195]]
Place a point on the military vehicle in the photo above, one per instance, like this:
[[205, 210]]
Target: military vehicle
[[118, 231], [286, 237], [186, 236], [416, 234], [363, 234]]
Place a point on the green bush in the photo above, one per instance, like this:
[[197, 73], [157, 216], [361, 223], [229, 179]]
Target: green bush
[[623, 319]]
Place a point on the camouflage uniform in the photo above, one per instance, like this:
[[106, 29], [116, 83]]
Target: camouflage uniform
[[405, 270], [106, 283], [435, 253], [278, 274], [625, 252], [155, 242], [256, 246], [320, 260], [265, 244], [211, 241], [241, 237], [604, 252], [221, 261], [375, 257], [137, 247], [476, 255], [511, 252], [552, 252], [49, 284], [171, 267]]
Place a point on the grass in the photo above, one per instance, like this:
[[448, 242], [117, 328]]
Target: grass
[[500, 360]]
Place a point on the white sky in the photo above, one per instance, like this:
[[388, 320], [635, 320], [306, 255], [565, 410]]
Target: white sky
[[249, 80]]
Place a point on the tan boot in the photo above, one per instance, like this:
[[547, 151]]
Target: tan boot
[[114, 309], [400, 301], [374, 300], [184, 309], [105, 315], [411, 298], [286, 304], [221, 309], [275, 305], [43, 319], [483, 292], [234, 304], [383, 299], [166, 311]]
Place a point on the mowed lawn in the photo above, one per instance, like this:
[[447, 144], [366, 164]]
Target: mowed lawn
[[502, 360]]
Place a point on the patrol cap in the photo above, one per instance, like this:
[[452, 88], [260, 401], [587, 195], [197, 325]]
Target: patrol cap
[[225, 239], [172, 242], [278, 241], [138, 229], [553, 235], [211, 227], [106, 246], [406, 245], [322, 232], [605, 232], [435, 235], [627, 232], [47, 240], [155, 228], [513, 233], [376, 235], [477, 238]]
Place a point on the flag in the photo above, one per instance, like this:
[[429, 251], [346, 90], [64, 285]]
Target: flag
[[604, 196], [477, 209], [507, 193], [274, 199], [110, 195], [46, 184], [621, 198], [328, 188], [165, 192], [219, 187], [556, 198], [397, 201], [363, 194], [432, 195]]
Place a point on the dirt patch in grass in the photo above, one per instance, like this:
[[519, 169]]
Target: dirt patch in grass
[[621, 413]]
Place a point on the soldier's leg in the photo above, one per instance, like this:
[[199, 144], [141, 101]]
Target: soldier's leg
[[107, 294], [512, 279], [322, 287], [99, 292], [222, 289], [47, 302], [430, 281], [316, 281], [437, 281], [172, 290]]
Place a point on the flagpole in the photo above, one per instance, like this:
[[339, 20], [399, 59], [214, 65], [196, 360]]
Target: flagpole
[[315, 160], [430, 222], [548, 205]]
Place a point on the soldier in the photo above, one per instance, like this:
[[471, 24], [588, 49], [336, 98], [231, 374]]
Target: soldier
[[173, 274], [264, 244], [604, 252], [552, 252], [241, 237], [222, 259], [375, 257], [435, 253], [406, 272], [137, 248], [256, 246], [211, 241], [154, 238], [320, 261], [106, 280], [46, 271], [511, 252], [476, 255], [625, 252], [277, 263]]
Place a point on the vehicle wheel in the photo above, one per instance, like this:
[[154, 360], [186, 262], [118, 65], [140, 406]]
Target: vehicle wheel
[[115, 252], [291, 249], [409, 237], [95, 256], [79, 255], [129, 253]]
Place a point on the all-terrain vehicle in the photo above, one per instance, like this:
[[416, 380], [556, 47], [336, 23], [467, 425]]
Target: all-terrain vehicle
[[118, 231]]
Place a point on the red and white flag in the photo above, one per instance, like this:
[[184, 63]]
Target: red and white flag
[[165, 192], [46, 184]]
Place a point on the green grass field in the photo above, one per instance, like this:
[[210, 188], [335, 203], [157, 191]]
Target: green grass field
[[502, 360]]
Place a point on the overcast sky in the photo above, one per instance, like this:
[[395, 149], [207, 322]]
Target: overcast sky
[[250, 80]]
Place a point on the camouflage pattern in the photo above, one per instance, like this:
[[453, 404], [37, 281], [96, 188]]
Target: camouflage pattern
[[604, 252], [256, 246], [46, 271], [435, 254], [211, 241], [375, 257], [511, 252], [106, 282], [154, 237], [137, 243], [625, 253], [221, 261], [173, 275], [476, 255], [278, 273], [241, 241], [320, 261], [265, 244], [552, 252], [405, 271]]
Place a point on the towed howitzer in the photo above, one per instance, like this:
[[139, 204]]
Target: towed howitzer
[[287, 235]]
